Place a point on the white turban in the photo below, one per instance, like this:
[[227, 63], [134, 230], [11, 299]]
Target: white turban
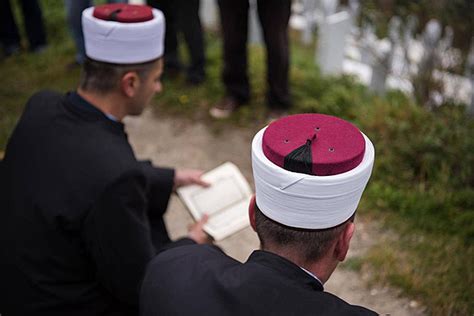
[[308, 201], [123, 43]]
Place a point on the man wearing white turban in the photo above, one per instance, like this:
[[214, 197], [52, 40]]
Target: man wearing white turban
[[81, 217]]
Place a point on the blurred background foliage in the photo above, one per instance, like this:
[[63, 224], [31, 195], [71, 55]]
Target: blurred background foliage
[[459, 14]]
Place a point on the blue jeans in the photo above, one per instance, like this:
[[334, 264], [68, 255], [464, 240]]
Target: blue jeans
[[74, 10]]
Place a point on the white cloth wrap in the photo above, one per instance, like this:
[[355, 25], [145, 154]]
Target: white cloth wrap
[[306, 201], [123, 43]]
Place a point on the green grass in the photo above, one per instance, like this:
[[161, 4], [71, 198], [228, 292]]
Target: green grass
[[435, 268], [421, 188], [355, 264]]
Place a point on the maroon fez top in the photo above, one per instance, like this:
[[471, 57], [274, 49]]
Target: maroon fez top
[[122, 12], [314, 144]]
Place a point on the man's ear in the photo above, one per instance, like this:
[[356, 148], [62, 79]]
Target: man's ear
[[343, 241], [130, 83], [252, 212]]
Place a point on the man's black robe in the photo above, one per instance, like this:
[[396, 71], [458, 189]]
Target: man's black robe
[[80, 217], [201, 280]]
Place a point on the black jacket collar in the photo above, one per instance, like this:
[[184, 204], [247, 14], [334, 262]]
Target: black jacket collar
[[285, 267], [78, 105]]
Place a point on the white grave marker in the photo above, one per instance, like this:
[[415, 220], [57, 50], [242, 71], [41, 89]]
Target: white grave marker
[[310, 13], [332, 41], [208, 14], [255, 33]]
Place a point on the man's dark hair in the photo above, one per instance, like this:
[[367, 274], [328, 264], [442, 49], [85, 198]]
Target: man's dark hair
[[312, 244], [104, 77]]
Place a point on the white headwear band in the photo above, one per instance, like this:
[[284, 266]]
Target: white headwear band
[[306, 201], [123, 43]]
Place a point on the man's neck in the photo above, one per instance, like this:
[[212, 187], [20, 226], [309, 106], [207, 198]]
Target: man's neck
[[109, 104], [322, 268]]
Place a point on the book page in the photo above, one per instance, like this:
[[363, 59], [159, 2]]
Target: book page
[[225, 201]]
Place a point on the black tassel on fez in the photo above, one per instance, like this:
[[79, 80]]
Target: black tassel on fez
[[113, 15], [301, 159]]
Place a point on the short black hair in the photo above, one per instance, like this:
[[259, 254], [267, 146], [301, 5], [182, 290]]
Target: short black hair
[[102, 77], [312, 244]]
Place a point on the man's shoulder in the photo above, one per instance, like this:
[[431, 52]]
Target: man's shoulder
[[338, 306], [47, 94], [184, 253], [44, 97], [174, 263], [40, 109], [270, 277]]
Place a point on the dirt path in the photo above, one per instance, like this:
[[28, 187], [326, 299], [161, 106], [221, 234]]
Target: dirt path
[[181, 143]]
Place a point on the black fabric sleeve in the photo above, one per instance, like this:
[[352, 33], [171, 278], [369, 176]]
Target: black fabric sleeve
[[117, 236], [160, 187]]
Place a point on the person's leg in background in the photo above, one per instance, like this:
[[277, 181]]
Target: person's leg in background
[[234, 25], [274, 16], [74, 10], [171, 56], [189, 23], [9, 36], [34, 25]]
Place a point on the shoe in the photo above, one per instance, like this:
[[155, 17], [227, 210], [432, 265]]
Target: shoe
[[224, 108]]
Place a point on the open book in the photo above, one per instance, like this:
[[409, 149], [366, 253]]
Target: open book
[[226, 201]]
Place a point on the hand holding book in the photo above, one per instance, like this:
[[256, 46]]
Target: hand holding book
[[225, 201]]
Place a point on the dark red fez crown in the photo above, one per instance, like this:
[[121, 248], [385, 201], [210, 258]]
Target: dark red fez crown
[[125, 13], [315, 144]]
